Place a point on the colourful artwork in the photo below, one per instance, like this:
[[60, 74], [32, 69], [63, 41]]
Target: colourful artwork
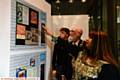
[[22, 14], [21, 72], [35, 35], [42, 56], [28, 37], [20, 31], [34, 17], [32, 72], [32, 62], [26, 25]]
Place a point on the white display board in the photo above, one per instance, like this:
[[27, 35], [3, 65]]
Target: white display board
[[10, 53], [70, 21]]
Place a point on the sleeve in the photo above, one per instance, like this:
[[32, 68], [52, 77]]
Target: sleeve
[[54, 39], [109, 72], [53, 61]]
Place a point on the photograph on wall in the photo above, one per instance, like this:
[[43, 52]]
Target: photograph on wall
[[43, 57], [43, 24], [21, 72], [28, 39], [33, 17], [35, 36], [42, 33], [20, 31], [26, 25], [32, 62], [22, 13], [32, 37]]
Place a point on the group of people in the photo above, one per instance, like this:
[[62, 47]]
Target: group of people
[[76, 59]]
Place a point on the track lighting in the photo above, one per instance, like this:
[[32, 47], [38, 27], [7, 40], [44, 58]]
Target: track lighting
[[83, 1], [58, 1], [70, 1]]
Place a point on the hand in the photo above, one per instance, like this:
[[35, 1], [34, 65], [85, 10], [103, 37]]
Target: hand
[[47, 31], [54, 71]]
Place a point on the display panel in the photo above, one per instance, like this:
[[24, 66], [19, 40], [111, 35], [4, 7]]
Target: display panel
[[27, 25], [43, 24]]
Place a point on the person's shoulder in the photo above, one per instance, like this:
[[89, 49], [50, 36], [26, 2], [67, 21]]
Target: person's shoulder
[[109, 72], [110, 69], [109, 66]]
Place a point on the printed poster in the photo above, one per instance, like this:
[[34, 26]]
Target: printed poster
[[21, 31], [22, 14], [32, 72], [33, 17], [43, 24], [21, 72]]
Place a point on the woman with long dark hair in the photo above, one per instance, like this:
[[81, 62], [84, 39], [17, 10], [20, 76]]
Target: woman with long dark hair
[[97, 61]]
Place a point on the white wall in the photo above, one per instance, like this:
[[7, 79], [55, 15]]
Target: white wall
[[4, 37], [71, 20]]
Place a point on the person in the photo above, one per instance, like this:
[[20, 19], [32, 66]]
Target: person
[[96, 62], [60, 53], [76, 45]]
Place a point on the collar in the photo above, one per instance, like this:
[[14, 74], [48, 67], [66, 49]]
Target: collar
[[76, 43]]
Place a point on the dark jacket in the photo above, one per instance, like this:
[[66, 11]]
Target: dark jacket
[[109, 72], [75, 49], [60, 53]]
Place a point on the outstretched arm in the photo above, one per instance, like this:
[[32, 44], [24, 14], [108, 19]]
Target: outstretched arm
[[47, 31]]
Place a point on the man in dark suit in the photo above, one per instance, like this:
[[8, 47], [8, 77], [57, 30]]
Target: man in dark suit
[[75, 46]]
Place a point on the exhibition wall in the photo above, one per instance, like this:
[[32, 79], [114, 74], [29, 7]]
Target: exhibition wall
[[70, 21], [22, 44]]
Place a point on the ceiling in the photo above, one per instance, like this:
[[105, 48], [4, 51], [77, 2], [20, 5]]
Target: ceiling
[[75, 8]]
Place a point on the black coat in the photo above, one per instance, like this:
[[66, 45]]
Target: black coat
[[60, 53], [75, 49], [109, 72]]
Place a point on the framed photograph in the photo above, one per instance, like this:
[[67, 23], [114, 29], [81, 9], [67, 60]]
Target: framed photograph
[[32, 62], [33, 17], [27, 25], [28, 39], [20, 31], [35, 36], [22, 14]]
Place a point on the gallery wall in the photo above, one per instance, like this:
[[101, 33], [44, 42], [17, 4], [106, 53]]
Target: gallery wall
[[70, 21], [16, 55]]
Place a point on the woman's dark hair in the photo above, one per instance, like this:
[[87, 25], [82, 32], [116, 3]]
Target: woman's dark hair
[[101, 48], [65, 30]]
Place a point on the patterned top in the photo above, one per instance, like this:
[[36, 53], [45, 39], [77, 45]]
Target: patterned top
[[83, 71]]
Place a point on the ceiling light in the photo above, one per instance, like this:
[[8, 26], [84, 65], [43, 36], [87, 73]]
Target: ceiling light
[[83, 0], [118, 7], [58, 1], [59, 16], [70, 1]]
